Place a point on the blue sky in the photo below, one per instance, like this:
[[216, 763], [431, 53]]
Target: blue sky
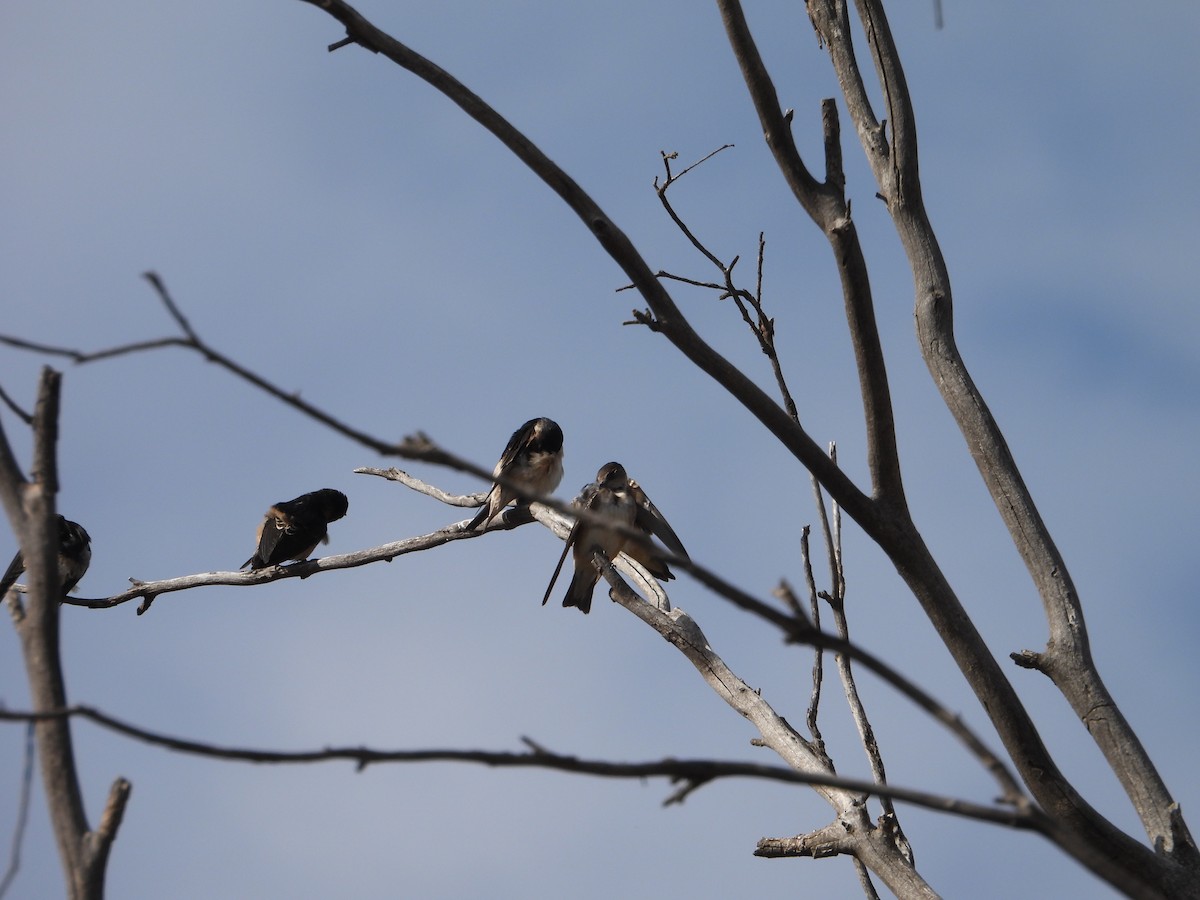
[[333, 223]]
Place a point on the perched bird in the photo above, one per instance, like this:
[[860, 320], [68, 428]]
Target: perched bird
[[613, 494], [532, 459], [292, 530], [74, 556]]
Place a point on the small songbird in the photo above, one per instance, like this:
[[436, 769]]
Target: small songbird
[[613, 494], [74, 557], [292, 530], [532, 459]]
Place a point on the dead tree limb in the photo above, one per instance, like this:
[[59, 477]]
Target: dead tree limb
[[30, 505]]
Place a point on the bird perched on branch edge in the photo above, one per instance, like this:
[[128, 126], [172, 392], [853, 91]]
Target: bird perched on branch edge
[[291, 530], [616, 495], [532, 459], [74, 557]]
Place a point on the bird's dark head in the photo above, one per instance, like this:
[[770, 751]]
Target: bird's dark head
[[72, 538], [612, 476], [331, 504], [545, 435]]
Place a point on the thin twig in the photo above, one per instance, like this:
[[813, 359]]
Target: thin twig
[[421, 487], [661, 189], [818, 668], [21, 414], [192, 341], [14, 857], [858, 710], [760, 324], [169, 303]]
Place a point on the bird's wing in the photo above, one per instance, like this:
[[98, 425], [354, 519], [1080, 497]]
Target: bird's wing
[[275, 527], [11, 574], [520, 438], [650, 520]]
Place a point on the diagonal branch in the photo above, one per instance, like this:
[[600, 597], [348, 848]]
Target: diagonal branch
[[15, 407], [192, 341], [664, 317], [864, 841]]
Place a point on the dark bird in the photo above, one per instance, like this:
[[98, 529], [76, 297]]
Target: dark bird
[[532, 459], [613, 494], [292, 530], [74, 556]]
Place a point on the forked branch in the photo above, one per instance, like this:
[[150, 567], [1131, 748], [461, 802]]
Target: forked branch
[[1067, 660]]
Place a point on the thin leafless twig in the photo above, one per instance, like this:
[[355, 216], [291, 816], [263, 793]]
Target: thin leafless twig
[[858, 711], [421, 487], [14, 856], [760, 324], [661, 188], [21, 414]]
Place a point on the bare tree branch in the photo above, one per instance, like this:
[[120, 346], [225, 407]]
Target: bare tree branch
[[421, 487], [818, 668], [149, 590], [685, 635], [694, 772], [660, 188]]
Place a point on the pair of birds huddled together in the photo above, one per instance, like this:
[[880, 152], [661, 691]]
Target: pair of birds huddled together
[[530, 465]]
